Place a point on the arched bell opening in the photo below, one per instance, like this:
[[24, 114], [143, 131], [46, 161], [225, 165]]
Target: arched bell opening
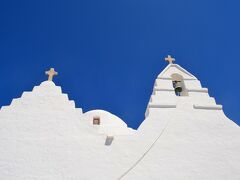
[[178, 85]]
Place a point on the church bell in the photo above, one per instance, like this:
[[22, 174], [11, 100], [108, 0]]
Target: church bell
[[177, 87]]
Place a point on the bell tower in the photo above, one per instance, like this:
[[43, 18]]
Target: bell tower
[[175, 87]]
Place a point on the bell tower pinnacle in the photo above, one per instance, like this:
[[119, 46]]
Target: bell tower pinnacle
[[170, 59]]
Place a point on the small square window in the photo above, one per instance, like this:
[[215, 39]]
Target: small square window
[[96, 120]]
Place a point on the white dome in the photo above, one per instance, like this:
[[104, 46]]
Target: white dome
[[110, 124]]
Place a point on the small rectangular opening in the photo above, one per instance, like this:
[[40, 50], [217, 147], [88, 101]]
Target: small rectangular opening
[[96, 120]]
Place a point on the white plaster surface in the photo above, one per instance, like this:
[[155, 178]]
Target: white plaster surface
[[43, 136]]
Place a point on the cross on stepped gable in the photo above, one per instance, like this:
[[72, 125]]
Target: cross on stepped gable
[[169, 59], [51, 73]]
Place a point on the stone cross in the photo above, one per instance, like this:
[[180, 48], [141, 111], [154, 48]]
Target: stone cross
[[51, 73], [169, 59]]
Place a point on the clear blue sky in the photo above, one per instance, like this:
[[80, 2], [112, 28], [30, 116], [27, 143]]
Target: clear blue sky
[[109, 52]]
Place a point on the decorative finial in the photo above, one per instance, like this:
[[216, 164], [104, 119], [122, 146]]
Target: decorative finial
[[51, 73], [169, 59]]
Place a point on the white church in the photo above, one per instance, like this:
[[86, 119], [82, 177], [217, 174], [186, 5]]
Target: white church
[[185, 136]]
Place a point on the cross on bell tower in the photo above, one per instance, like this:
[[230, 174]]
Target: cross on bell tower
[[169, 59], [51, 73]]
